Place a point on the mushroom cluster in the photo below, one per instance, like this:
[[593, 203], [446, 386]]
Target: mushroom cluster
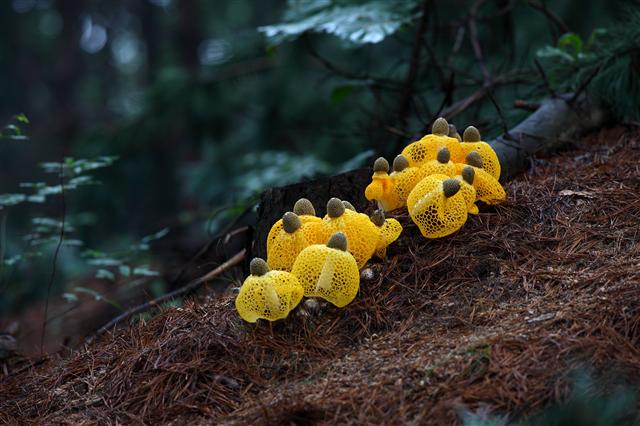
[[439, 178], [315, 257]]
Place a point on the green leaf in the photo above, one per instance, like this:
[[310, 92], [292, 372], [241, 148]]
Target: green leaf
[[70, 297], [7, 200], [570, 43], [13, 260], [105, 274], [104, 261], [145, 271], [554, 53], [596, 36], [21, 118], [340, 93], [156, 236], [364, 22], [38, 199], [124, 270], [97, 296]]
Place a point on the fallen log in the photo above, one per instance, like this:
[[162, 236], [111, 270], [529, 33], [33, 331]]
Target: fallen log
[[556, 123]]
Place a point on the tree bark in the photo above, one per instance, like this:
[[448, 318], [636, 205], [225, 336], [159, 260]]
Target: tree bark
[[275, 202]]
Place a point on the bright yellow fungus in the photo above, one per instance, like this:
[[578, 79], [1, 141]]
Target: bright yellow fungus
[[269, 295], [471, 142], [437, 206], [467, 190], [390, 230], [488, 189], [404, 178], [329, 271], [360, 231], [381, 188], [426, 149], [312, 226], [442, 165], [285, 240]]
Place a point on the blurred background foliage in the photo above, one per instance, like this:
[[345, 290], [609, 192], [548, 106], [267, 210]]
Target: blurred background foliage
[[200, 105]]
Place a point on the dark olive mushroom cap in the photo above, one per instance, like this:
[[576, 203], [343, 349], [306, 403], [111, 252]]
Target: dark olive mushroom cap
[[453, 132], [474, 159], [440, 127], [381, 165], [468, 174], [291, 222], [400, 163], [258, 267], [444, 156], [338, 241], [450, 187], [335, 208], [304, 207], [348, 205], [471, 134], [378, 217]]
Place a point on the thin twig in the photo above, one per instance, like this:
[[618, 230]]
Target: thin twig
[[478, 95], [527, 105], [375, 81], [55, 256], [583, 86], [475, 42], [192, 286], [543, 74], [542, 7], [505, 127]]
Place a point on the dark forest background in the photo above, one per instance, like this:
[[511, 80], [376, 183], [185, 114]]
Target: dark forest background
[[149, 125]]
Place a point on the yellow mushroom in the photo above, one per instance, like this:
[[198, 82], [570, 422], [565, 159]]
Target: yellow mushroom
[[442, 165], [312, 226], [361, 233], [285, 240], [404, 178], [437, 206], [329, 271], [390, 230], [467, 190], [488, 189], [381, 188], [426, 149], [266, 294], [471, 142]]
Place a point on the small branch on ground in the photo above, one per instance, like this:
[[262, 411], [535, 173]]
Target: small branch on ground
[[543, 74], [528, 105], [189, 288]]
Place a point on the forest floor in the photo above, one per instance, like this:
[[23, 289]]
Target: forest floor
[[494, 320]]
